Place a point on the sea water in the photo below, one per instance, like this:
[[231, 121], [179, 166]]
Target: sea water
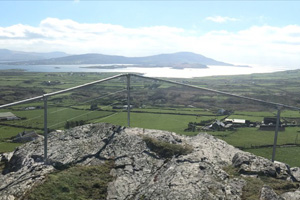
[[149, 71]]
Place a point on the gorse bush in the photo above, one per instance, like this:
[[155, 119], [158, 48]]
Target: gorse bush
[[78, 182], [165, 149]]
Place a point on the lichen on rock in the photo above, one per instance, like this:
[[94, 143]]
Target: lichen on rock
[[148, 164]]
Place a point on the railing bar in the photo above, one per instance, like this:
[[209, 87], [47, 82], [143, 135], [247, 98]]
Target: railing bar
[[84, 85], [61, 91], [156, 79], [22, 101]]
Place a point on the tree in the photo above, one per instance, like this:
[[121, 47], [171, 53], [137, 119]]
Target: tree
[[94, 106]]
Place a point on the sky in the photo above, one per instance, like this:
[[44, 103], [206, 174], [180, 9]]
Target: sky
[[262, 33]]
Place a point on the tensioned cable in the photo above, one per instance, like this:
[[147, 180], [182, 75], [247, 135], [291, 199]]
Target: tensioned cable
[[53, 112], [89, 101], [219, 92], [156, 79], [85, 114], [61, 91]]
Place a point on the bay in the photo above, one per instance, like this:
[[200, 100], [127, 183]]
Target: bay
[[151, 72]]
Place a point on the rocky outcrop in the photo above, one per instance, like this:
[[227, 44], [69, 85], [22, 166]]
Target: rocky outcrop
[[248, 163], [267, 193], [139, 172]]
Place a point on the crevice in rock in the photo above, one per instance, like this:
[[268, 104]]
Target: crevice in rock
[[151, 177], [151, 154], [116, 129], [18, 181], [187, 160]]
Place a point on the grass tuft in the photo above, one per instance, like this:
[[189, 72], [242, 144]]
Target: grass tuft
[[165, 149], [78, 182], [251, 190]]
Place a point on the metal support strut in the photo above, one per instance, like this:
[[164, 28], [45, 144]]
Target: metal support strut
[[45, 130], [276, 133], [128, 99]]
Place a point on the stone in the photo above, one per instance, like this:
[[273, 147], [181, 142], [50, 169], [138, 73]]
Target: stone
[[249, 164], [291, 195], [295, 171], [267, 193], [139, 173]]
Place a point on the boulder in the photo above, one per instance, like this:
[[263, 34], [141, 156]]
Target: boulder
[[139, 171], [250, 164], [267, 193], [291, 195], [295, 171]]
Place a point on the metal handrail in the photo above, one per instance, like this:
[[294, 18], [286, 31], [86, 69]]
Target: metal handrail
[[44, 97], [151, 78], [61, 91]]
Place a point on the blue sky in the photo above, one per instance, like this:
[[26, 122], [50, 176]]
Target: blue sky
[[240, 32]]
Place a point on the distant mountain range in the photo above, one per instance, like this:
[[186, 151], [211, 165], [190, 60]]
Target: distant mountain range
[[15, 56], [175, 60]]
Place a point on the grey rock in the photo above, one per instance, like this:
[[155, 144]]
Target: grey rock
[[295, 171], [250, 164], [267, 193], [5, 157], [139, 173], [291, 195]]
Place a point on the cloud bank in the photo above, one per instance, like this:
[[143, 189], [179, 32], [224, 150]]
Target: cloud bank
[[261, 45], [220, 19]]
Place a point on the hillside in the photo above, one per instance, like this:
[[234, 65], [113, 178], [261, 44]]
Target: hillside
[[103, 161], [13, 56], [178, 60]]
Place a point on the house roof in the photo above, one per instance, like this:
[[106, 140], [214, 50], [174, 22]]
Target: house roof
[[236, 121], [6, 115]]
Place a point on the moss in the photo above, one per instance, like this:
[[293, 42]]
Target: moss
[[78, 182], [165, 149], [253, 186]]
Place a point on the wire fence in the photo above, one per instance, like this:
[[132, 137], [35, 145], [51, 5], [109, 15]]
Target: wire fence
[[90, 103]]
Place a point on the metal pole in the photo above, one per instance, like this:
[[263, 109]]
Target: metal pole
[[276, 133], [45, 130], [128, 100]]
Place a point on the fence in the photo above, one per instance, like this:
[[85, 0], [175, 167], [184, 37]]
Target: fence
[[44, 97]]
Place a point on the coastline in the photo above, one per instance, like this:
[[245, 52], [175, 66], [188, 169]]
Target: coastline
[[167, 72]]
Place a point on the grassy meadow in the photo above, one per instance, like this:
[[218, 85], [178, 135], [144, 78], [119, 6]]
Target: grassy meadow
[[157, 105]]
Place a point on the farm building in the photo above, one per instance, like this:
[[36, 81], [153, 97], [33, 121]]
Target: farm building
[[269, 124], [271, 128], [270, 120], [240, 122], [216, 126], [7, 116], [236, 121]]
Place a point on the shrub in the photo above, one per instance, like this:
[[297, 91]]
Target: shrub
[[78, 182], [165, 149]]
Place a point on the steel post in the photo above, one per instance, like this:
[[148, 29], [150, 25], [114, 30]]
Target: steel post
[[276, 133], [45, 130], [128, 100]]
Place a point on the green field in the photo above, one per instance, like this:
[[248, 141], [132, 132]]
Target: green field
[[288, 155], [173, 123], [248, 137], [157, 105]]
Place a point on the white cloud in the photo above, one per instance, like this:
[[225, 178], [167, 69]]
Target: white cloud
[[220, 19], [265, 45]]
